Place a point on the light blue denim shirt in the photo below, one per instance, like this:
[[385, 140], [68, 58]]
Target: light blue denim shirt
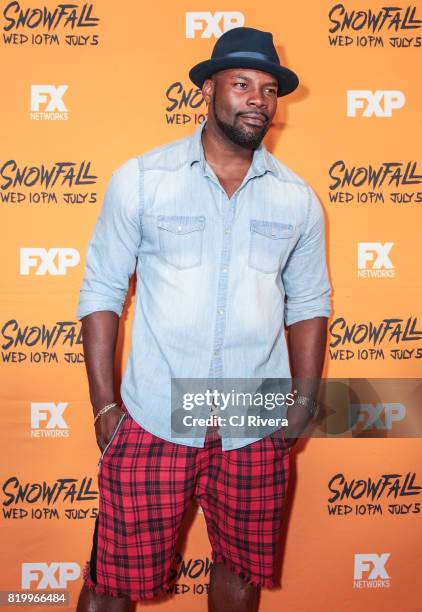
[[217, 278]]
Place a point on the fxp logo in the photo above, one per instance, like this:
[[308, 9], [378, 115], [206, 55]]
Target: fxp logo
[[370, 570], [366, 103], [376, 417], [47, 420], [48, 576], [374, 260], [47, 103], [212, 24], [54, 261]]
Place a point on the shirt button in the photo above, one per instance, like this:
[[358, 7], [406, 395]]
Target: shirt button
[[224, 270], [227, 231], [221, 312], [216, 351], [179, 228]]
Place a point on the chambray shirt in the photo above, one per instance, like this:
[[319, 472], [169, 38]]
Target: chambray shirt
[[217, 278]]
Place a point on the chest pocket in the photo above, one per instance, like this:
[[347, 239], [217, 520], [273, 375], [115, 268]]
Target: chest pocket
[[269, 242], [180, 239]]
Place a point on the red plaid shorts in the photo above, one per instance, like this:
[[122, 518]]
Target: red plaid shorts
[[145, 485]]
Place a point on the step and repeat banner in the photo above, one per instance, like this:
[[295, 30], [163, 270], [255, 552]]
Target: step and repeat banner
[[86, 86]]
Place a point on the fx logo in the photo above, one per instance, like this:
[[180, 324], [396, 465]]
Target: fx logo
[[372, 563], [48, 95], [44, 576], [49, 413], [54, 261], [379, 103], [371, 415], [210, 23], [375, 253]]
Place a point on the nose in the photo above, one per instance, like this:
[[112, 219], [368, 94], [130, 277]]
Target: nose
[[257, 99]]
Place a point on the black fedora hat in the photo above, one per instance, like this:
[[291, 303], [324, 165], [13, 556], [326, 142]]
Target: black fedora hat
[[246, 48]]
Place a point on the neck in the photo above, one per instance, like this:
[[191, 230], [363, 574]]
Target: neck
[[221, 151]]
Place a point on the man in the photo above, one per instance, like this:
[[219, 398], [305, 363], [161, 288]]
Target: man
[[220, 232]]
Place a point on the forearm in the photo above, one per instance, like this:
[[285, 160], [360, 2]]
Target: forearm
[[99, 330], [307, 343]]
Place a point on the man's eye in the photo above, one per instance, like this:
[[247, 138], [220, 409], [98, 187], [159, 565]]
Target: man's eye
[[241, 84]]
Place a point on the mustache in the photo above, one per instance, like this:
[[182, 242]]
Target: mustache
[[259, 114]]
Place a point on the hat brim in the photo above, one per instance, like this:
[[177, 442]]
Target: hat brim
[[287, 79]]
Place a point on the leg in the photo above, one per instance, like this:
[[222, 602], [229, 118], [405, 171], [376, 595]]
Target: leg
[[95, 602], [230, 593], [145, 485], [242, 494]]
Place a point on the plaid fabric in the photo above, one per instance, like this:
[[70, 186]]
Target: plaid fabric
[[145, 486]]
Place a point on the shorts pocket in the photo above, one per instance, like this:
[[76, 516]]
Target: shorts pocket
[[279, 441], [269, 242], [180, 240], [112, 439]]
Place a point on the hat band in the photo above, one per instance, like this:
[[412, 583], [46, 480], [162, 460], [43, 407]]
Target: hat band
[[249, 54]]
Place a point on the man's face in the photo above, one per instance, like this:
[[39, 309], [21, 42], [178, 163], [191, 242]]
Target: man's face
[[243, 103]]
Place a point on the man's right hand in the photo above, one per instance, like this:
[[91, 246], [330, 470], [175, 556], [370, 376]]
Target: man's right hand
[[106, 426]]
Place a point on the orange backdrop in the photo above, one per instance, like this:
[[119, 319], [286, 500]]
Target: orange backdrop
[[109, 82]]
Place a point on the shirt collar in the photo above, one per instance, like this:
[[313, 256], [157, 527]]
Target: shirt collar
[[261, 162]]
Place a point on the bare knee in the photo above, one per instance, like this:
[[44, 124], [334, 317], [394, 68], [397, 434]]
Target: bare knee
[[96, 602], [228, 592]]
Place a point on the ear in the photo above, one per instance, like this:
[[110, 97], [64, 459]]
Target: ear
[[208, 90]]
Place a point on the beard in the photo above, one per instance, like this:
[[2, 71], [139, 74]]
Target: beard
[[240, 134]]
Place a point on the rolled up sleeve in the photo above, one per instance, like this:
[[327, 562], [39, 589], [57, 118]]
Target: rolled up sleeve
[[305, 276], [114, 245]]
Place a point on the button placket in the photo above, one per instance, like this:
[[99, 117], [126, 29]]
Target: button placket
[[222, 290], [216, 367]]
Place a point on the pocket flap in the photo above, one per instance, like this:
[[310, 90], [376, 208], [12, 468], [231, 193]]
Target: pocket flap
[[272, 229], [181, 224]]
